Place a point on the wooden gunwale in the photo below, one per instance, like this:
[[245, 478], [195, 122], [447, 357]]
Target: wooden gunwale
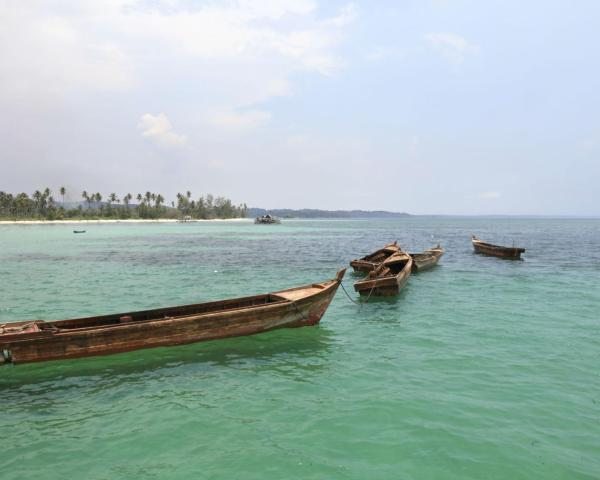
[[427, 259], [496, 250], [298, 309], [371, 261], [389, 284]]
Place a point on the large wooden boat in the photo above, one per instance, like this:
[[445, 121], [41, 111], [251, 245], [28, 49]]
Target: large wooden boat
[[429, 258], [388, 278], [39, 340], [373, 260], [496, 250]]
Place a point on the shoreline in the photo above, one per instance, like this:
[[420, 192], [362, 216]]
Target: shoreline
[[125, 220]]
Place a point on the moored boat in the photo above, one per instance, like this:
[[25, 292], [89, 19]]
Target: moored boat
[[496, 250], [427, 259], [267, 219], [388, 278], [78, 231], [373, 260], [38, 340]]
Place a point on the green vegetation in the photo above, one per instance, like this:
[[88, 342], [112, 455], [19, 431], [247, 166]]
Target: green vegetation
[[42, 206]]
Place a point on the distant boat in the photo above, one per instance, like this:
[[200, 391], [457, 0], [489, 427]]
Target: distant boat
[[373, 260], [38, 340], [266, 219], [78, 231], [496, 250], [429, 258], [388, 278]]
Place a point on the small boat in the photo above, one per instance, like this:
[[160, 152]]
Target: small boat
[[78, 231], [429, 258], [496, 250], [388, 278], [373, 260], [38, 340], [266, 219]]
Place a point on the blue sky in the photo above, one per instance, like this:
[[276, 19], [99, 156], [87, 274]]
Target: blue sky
[[449, 107]]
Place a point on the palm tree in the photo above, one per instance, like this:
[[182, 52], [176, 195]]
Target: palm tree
[[112, 198], [86, 197], [126, 199], [140, 206], [37, 197], [63, 190]]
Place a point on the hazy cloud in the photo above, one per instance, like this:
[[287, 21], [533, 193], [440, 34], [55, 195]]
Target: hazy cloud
[[348, 13], [158, 127], [489, 195], [239, 120], [453, 48], [382, 53]]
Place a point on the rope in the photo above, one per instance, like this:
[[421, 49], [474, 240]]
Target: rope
[[348, 295], [369, 296], [361, 303]]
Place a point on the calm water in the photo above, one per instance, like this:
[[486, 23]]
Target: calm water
[[481, 368]]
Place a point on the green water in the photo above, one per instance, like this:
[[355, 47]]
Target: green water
[[481, 368]]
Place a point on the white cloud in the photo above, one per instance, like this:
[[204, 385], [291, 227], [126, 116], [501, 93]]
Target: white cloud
[[346, 15], [489, 195], [238, 120], [43, 55], [238, 53], [158, 127], [453, 48]]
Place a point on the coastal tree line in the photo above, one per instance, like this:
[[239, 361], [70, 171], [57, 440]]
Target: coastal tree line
[[42, 205]]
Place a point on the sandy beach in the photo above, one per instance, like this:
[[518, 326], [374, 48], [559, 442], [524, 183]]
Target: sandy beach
[[106, 220]]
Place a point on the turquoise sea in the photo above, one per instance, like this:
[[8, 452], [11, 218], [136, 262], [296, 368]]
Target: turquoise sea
[[480, 369]]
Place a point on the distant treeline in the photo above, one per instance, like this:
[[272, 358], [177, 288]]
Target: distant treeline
[[42, 205], [314, 213]]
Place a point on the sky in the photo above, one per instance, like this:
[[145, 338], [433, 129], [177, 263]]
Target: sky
[[427, 107]]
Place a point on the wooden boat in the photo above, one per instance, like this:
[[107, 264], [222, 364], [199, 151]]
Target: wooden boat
[[429, 258], [496, 250], [38, 340], [266, 219], [373, 260], [78, 231], [388, 278]]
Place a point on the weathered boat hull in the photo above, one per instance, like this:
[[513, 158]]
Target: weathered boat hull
[[385, 286], [513, 253], [298, 307], [426, 260], [370, 262], [363, 266]]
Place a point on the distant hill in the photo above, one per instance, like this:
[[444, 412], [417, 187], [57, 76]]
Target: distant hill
[[314, 213]]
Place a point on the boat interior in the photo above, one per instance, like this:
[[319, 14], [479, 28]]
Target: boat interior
[[391, 267], [162, 313], [381, 255]]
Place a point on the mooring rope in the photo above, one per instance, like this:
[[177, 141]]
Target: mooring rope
[[361, 303], [369, 296], [348, 295]]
